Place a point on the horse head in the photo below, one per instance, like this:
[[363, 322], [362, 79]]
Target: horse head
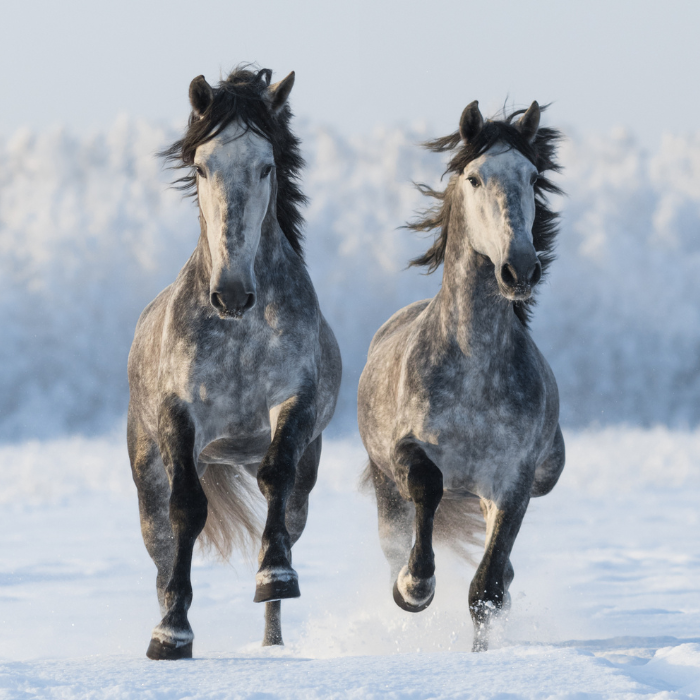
[[237, 189], [498, 195]]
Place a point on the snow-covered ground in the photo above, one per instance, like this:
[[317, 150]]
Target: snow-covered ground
[[606, 599]]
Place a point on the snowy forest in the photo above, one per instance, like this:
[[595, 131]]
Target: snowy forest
[[90, 232]]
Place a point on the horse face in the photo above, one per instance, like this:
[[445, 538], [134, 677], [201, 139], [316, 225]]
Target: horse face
[[235, 171], [499, 201]]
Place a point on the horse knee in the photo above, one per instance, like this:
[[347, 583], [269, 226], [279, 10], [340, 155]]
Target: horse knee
[[307, 469], [276, 478], [296, 515]]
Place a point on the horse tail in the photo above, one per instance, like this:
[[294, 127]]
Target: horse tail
[[459, 523], [234, 511]]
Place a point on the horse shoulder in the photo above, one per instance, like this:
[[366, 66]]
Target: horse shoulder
[[382, 378], [399, 321]]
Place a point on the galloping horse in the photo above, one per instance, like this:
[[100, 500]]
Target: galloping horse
[[233, 370], [456, 402]]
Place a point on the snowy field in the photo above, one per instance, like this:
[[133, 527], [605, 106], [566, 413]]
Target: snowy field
[[606, 599]]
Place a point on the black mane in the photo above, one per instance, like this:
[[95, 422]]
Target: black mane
[[242, 96], [541, 153]]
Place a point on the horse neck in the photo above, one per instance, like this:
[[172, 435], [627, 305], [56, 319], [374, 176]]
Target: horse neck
[[472, 311]]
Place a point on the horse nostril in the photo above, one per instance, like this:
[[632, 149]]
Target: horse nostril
[[509, 275], [250, 300], [217, 302], [536, 274]]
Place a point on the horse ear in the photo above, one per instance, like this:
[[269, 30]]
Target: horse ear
[[470, 122], [265, 75], [201, 95], [279, 92], [529, 123]]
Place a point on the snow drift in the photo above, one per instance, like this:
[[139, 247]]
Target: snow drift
[[90, 232]]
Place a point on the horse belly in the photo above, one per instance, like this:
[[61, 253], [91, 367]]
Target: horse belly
[[236, 450]]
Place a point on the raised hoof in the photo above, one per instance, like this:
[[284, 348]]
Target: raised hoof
[[278, 589], [163, 651], [398, 599]]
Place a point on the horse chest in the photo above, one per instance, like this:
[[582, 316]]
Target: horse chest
[[482, 427], [233, 383]]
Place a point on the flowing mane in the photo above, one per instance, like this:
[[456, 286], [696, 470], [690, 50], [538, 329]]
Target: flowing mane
[[242, 96], [541, 153]]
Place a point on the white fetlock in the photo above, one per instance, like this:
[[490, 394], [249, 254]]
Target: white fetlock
[[415, 591], [167, 635], [275, 575]]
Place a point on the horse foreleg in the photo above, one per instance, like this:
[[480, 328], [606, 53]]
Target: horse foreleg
[[297, 511], [488, 592], [172, 638], [276, 579], [395, 519], [154, 494], [421, 480]]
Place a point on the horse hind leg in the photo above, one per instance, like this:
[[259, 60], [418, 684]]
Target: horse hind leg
[[421, 479], [547, 474], [154, 494], [395, 519], [295, 520]]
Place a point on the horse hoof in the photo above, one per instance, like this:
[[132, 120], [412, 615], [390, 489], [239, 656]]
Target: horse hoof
[[276, 585], [479, 645], [398, 599], [164, 651]]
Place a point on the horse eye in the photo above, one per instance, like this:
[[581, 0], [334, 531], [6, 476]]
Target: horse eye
[[535, 177], [265, 172], [474, 182], [200, 171]]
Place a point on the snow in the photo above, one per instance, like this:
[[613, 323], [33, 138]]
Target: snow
[[89, 233], [605, 598]]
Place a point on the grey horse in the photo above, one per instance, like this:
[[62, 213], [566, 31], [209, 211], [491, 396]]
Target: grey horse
[[234, 372], [457, 408]]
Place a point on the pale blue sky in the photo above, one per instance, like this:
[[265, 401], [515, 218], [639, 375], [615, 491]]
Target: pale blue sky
[[359, 63]]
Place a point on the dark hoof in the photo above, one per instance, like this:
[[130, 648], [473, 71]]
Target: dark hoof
[[277, 590], [163, 651], [398, 599]]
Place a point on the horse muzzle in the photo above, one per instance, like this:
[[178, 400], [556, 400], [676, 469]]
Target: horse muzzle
[[232, 301], [516, 279]]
